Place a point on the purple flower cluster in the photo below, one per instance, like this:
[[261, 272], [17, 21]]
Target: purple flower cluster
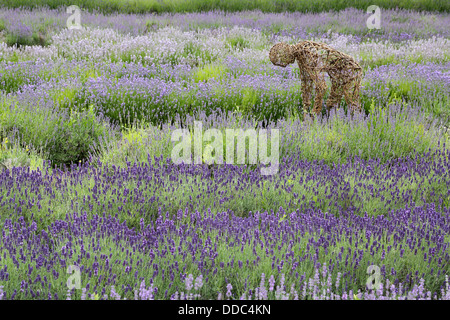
[[413, 81], [358, 186]]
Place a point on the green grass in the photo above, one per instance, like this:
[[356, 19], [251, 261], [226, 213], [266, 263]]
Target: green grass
[[237, 43], [141, 6], [211, 71], [2, 25]]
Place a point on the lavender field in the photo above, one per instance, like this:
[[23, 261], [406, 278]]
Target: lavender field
[[87, 180]]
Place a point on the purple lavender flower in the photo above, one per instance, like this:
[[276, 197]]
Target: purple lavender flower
[[229, 288]]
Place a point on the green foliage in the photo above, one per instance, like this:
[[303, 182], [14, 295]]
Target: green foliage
[[367, 60], [59, 136], [210, 71], [276, 28], [159, 6], [37, 38], [13, 79], [152, 25], [238, 43], [249, 100], [13, 155], [65, 98], [72, 142], [135, 145], [40, 33], [195, 54], [2, 25]]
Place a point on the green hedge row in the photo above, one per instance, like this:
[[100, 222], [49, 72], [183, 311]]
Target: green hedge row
[[159, 6]]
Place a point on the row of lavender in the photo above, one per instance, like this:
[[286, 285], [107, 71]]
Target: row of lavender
[[409, 244], [116, 262], [174, 45], [397, 25], [171, 72], [156, 93], [138, 191], [125, 232]]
